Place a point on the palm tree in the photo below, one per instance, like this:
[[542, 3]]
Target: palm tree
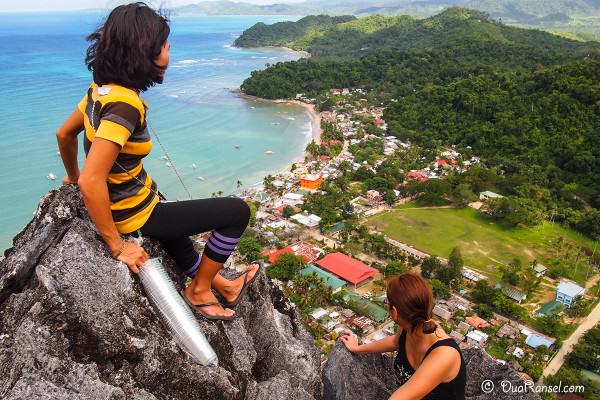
[[239, 184]]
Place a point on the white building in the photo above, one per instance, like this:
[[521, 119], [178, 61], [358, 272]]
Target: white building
[[489, 195], [477, 338], [310, 221]]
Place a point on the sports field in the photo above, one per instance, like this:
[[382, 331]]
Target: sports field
[[484, 245]]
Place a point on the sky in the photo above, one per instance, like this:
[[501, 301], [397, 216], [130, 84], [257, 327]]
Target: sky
[[61, 5]]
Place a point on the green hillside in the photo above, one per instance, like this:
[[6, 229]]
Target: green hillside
[[525, 100], [328, 38]]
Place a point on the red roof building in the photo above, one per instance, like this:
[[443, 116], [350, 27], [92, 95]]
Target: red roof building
[[324, 158], [442, 163], [417, 176], [379, 122], [477, 322], [347, 268], [361, 322], [309, 253]]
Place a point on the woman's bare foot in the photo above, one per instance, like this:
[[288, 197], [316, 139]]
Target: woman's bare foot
[[231, 289], [207, 297]]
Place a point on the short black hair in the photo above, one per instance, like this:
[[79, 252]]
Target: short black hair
[[124, 48]]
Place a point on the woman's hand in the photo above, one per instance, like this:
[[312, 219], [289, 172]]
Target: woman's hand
[[350, 340], [67, 180], [133, 255]]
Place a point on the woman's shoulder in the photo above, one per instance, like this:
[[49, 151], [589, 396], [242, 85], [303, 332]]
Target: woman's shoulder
[[113, 93]]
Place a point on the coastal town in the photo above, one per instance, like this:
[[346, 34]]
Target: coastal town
[[313, 227]]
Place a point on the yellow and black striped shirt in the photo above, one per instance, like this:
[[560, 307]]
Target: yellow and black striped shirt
[[118, 114]]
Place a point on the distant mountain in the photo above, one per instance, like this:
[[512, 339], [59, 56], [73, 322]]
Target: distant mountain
[[531, 12], [454, 28]]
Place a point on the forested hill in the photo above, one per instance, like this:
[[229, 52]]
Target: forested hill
[[288, 33], [525, 100], [458, 28]]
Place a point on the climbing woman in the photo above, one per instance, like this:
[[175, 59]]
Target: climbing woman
[[429, 364], [128, 54]]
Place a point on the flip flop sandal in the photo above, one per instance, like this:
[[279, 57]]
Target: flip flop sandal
[[245, 285], [198, 307]]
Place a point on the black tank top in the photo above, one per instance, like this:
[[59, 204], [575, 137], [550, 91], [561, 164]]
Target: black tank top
[[453, 390]]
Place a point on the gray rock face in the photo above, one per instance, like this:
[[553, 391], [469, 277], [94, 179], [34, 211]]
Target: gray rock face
[[76, 325], [348, 376]]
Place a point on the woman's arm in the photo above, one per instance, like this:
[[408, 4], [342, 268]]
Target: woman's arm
[[441, 365], [92, 183], [384, 345], [66, 136]]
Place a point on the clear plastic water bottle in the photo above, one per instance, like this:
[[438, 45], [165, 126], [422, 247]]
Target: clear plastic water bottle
[[176, 313]]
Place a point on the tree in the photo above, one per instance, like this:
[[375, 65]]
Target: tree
[[430, 267], [510, 273], [249, 248], [286, 268], [288, 211], [440, 291], [452, 273], [394, 268]]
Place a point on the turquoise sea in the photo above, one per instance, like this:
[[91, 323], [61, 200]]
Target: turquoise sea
[[196, 116]]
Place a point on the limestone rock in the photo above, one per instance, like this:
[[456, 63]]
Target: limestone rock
[[348, 376], [74, 324]]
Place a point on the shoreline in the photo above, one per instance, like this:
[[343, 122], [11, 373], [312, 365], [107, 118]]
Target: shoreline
[[315, 120]]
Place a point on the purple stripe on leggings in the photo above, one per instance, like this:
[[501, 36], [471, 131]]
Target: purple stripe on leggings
[[225, 238], [222, 245], [217, 250], [192, 271]]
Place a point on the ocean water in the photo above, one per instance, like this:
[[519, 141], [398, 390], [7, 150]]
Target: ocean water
[[194, 112]]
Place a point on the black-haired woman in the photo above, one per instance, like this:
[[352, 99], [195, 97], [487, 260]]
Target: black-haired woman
[[429, 364], [128, 54]]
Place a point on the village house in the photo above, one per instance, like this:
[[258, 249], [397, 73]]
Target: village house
[[472, 275], [463, 326], [535, 340], [477, 322], [489, 195], [307, 252], [567, 292], [308, 220], [508, 331], [459, 337], [539, 269], [311, 181], [441, 310], [477, 338], [512, 292], [317, 314]]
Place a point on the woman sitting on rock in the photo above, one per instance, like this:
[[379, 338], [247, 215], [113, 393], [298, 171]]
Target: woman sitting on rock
[[128, 55], [429, 364]]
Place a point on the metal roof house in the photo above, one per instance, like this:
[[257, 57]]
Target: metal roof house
[[567, 292]]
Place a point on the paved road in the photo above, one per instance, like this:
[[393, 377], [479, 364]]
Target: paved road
[[589, 322]]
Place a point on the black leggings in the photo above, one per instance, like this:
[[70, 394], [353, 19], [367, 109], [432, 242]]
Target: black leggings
[[172, 224]]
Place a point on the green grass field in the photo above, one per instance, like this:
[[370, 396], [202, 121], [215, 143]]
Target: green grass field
[[484, 245]]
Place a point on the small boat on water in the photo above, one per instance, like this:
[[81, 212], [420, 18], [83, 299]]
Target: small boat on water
[[194, 166], [51, 176], [200, 178], [237, 146], [165, 158], [275, 123], [252, 107], [269, 152], [168, 164]]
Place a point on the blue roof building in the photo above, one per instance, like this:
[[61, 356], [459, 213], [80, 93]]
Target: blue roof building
[[330, 280], [534, 341], [567, 292]]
